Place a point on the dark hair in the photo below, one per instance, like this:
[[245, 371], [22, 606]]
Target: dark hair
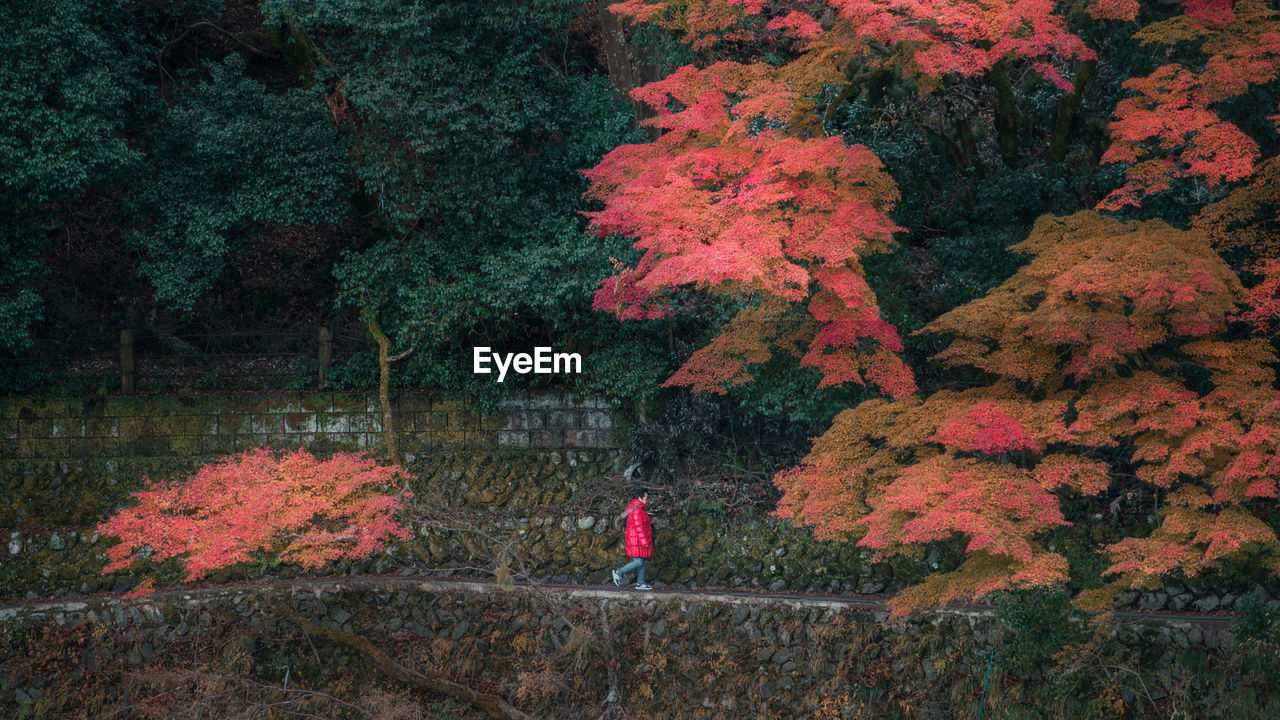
[[636, 491]]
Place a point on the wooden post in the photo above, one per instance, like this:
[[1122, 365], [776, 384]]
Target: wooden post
[[326, 353], [126, 362]]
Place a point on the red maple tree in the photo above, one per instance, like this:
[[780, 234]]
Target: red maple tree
[[744, 195], [1110, 356], [293, 506], [718, 206], [1169, 128]]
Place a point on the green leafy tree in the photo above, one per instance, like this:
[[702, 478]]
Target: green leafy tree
[[469, 130], [68, 86], [229, 158]]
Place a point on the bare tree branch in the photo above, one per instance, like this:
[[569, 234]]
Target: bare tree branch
[[492, 705]]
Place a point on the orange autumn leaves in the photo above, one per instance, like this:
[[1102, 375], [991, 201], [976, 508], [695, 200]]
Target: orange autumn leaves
[[743, 194], [1143, 381], [292, 506], [934, 38]]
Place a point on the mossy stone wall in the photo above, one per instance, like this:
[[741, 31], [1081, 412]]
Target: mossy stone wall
[[733, 658], [203, 425], [66, 461]]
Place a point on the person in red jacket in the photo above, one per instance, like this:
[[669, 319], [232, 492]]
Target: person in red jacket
[[639, 542]]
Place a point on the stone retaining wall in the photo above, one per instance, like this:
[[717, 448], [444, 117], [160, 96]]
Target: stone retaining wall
[[695, 552], [203, 425], [716, 658], [80, 492], [698, 552], [557, 508]]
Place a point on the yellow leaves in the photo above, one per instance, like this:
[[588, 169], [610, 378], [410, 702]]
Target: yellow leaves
[[745, 340], [1112, 9], [1189, 496], [142, 589], [1120, 324], [1060, 470], [1249, 217], [978, 576], [1099, 599], [1232, 529], [1191, 538], [1099, 291]]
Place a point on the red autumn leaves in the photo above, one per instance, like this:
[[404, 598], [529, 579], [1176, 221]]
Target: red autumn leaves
[[1091, 347], [259, 504]]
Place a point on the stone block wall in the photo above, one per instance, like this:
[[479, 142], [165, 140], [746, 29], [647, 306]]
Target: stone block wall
[[204, 425], [80, 491]]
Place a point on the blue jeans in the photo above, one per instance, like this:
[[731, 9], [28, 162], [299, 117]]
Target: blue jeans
[[637, 564]]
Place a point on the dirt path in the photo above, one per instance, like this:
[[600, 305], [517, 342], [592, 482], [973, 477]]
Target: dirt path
[[876, 605]]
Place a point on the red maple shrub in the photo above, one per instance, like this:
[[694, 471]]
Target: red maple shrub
[[292, 505]]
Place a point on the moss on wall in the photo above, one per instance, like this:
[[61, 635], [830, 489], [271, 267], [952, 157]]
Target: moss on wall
[[671, 659], [203, 425]]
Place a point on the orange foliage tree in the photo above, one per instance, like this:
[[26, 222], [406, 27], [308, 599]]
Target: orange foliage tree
[[1110, 363], [292, 506], [932, 38], [1246, 223]]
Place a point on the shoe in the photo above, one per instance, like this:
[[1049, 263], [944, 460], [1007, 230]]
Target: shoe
[[617, 579], [644, 586]]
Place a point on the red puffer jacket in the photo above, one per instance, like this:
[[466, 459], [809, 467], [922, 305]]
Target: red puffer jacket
[[639, 532]]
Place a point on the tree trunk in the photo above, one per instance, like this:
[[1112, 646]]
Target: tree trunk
[[969, 146], [617, 52], [625, 73], [1006, 114], [1067, 108], [384, 383]]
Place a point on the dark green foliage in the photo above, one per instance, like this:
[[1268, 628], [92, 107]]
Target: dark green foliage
[[679, 436], [624, 365], [1259, 622], [67, 74], [230, 157], [782, 390], [19, 264], [22, 377], [469, 131], [463, 131], [1040, 624], [1258, 633], [68, 86]]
